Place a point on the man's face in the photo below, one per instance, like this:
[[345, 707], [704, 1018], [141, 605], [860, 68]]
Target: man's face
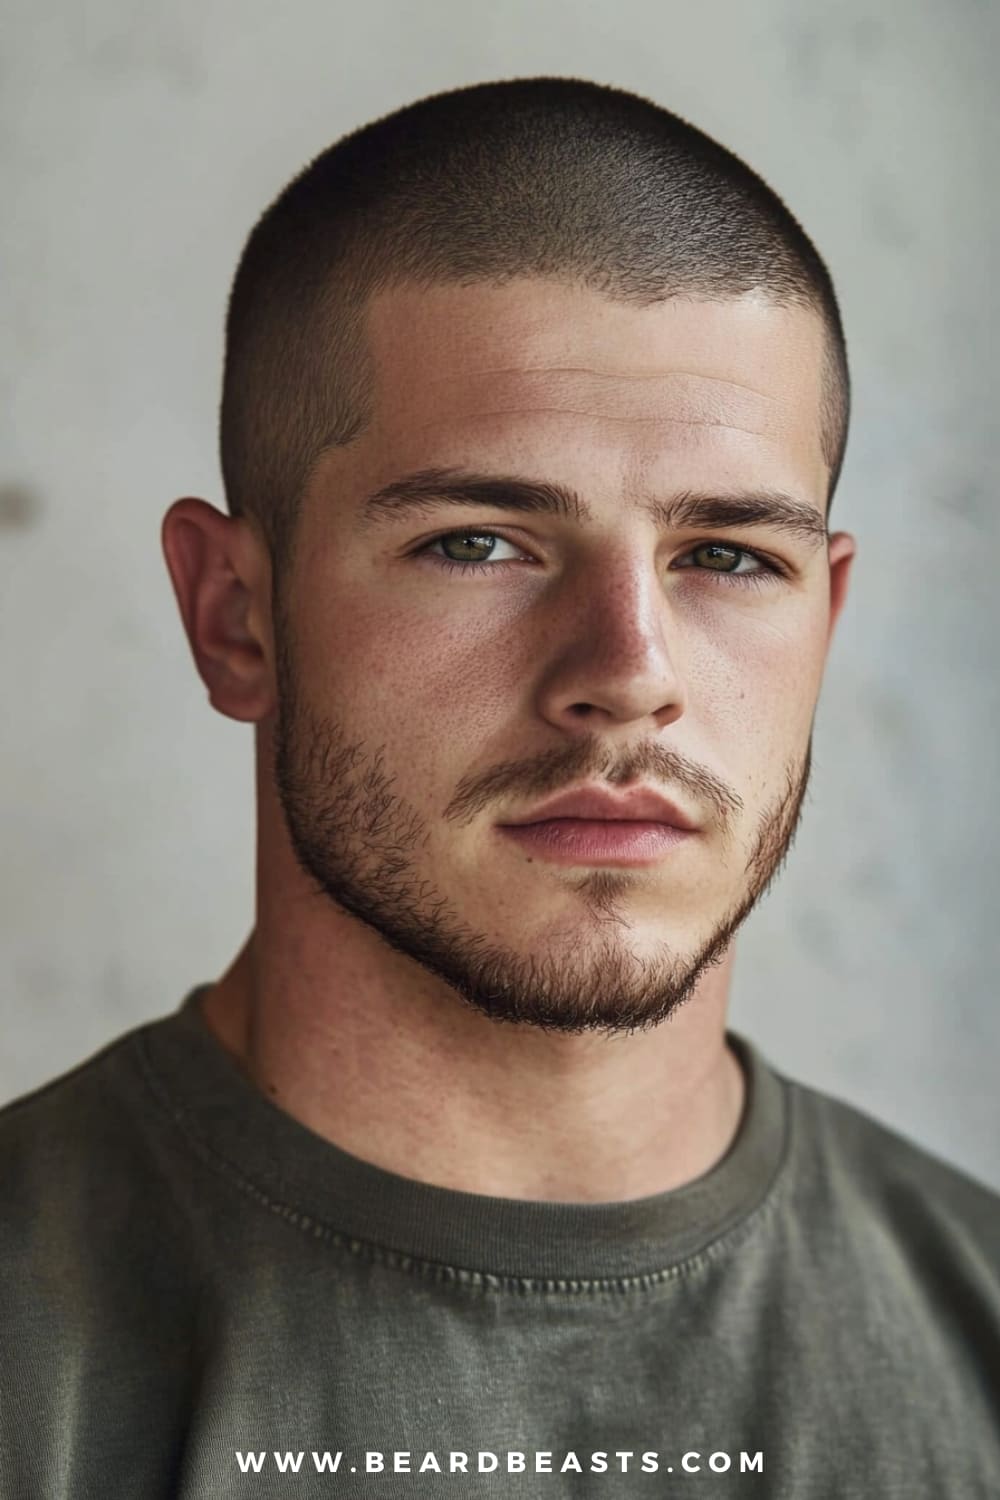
[[422, 705]]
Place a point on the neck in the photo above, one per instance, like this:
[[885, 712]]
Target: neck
[[368, 1052]]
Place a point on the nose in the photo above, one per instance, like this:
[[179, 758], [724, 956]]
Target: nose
[[613, 647]]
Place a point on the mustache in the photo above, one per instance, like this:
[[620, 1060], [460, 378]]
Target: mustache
[[587, 758]]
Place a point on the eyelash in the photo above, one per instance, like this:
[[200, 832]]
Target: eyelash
[[771, 574]]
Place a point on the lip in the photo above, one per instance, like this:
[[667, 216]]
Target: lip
[[590, 841], [597, 804]]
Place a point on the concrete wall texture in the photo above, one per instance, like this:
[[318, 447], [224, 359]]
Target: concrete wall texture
[[139, 144]]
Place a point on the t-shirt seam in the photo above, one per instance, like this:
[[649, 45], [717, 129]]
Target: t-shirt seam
[[375, 1252]]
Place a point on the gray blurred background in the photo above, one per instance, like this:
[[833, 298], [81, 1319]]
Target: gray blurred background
[[138, 146]]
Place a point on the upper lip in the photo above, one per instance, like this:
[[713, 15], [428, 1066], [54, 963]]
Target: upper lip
[[638, 804]]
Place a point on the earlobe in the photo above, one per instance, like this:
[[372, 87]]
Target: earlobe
[[220, 581]]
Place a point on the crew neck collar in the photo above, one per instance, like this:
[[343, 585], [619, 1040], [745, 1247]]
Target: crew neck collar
[[298, 1172]]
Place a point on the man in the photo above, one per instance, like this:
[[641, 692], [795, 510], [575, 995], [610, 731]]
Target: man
[[535, 401]]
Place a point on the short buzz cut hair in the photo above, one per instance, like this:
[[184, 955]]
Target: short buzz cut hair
[[556, 177]]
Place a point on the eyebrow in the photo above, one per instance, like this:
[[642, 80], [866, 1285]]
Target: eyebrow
[[426, 489]]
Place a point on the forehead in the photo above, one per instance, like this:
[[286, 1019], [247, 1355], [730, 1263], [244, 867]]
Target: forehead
[[538, 365]]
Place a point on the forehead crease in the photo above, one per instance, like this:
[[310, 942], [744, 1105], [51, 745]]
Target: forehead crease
[[658, 419], [593, 374], [612, 389], [675, 397]]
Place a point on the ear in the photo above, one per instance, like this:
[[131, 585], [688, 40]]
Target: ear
[[842, 548], [220, 569]]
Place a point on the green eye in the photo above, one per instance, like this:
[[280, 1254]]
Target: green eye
[[465, 543], [732, 563], [717, 557]]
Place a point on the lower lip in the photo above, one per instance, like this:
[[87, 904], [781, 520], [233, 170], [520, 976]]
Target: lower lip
[[597, 840]]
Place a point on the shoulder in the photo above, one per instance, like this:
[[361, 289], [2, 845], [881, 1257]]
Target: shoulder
[[884, 1188], [99, 1282], [99, 1204], [60, 1112], [82, 1095], [81, 1153]]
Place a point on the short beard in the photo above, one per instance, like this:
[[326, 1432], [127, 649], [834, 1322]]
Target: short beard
[[360, 843]]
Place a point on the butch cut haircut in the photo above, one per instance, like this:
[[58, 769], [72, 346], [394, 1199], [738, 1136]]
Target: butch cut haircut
[[540, 176]]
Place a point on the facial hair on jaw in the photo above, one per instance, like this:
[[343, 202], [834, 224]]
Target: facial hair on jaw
[[359, 842]]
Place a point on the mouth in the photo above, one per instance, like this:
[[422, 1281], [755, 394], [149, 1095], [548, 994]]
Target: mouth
[[596, 802], [617, 841]]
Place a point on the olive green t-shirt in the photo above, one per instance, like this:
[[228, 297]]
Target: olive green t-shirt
[[199, 1297]]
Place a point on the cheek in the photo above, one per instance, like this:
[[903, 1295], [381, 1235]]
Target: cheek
[[411, 677], [753, 678]]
